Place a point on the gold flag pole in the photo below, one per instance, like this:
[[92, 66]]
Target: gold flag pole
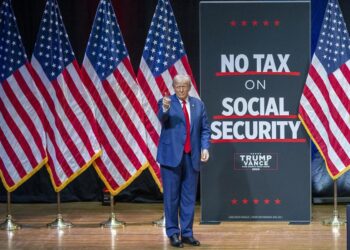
[[335, 221], [112, 222], [59, 222], [9, 224]]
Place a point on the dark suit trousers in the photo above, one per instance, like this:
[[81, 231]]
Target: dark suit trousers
[[179, 194]]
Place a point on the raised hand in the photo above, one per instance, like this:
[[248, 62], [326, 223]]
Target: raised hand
[[166, 101]]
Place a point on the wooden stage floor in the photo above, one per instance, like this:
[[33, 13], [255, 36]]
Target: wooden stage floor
[[139, 233]]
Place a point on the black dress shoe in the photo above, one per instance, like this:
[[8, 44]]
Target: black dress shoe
[[175, 241], [191, 240]]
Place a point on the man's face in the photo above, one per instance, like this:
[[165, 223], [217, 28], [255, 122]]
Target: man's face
[[182, 89]]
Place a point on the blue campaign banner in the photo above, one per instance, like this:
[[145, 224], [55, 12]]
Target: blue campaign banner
[[254, 59]]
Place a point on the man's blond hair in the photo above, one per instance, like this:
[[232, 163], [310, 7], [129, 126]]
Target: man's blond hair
[[182, 79]]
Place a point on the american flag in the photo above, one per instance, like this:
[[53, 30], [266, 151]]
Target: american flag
[[71, 129], [110, 79], [325, 103], [22, 136], [163, 57]]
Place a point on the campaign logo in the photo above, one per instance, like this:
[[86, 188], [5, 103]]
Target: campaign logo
[[256, 161]]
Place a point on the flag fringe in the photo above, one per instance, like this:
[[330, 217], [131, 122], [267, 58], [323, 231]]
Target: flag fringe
[[155, 177], [24, 179], [112, 191], [334, 177], [73, 176]]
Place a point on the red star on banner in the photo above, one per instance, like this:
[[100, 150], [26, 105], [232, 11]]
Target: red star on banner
[[267, 201], [256, 201], [276, 23], [233, 23], [266, 23], [277, 201], [245, 201], [244, 23], [255, 23], [234, 202]]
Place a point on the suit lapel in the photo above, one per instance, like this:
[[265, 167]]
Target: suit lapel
[[177, 106], [193, 111]]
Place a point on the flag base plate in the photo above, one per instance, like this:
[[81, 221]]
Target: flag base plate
[[60, 223], [112, 222], [160, 222], [335, 221], [9, 224]]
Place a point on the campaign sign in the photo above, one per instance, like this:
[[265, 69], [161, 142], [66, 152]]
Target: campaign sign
[[254, 59]]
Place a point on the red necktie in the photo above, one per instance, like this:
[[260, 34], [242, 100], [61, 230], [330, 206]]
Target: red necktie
[[187, 147]]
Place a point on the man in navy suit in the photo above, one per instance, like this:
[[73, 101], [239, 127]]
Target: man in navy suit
[[183, 143]]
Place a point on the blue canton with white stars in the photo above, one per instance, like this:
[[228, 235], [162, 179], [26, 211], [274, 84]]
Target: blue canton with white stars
[[106, 48], [333, 47], [163, 44], [12, 54], [52, 48]]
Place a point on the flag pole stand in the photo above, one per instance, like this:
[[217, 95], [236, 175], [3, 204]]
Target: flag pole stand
[[160, 222], [9, 224], [334, 221], [112, 222], [59, 222]]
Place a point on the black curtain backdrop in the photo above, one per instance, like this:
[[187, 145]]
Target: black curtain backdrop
[[134, 17]]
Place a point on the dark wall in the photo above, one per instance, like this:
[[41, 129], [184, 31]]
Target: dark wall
[[134, 17]]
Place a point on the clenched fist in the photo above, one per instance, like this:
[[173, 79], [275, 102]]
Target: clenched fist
[[166, 102]]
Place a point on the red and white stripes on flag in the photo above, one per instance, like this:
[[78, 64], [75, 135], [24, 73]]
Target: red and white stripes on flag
[[71, 130], [163, 58], [22, 136], [110, 80], [325, 104]]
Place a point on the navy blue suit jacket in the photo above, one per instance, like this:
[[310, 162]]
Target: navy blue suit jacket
[[173, 133]]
